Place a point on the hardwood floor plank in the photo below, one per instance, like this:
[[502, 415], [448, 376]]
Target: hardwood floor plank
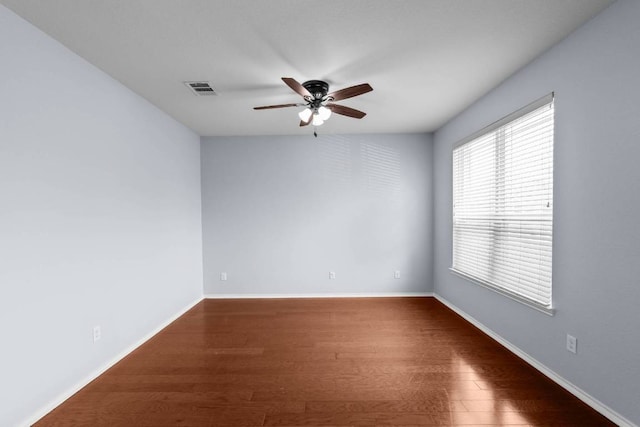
[[322, 362], [436, 404]]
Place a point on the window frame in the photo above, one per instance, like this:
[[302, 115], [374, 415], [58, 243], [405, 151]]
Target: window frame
[[545, 100]]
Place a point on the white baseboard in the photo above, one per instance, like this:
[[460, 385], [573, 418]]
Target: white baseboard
[[95, 374], [571, 388], [341, 295]]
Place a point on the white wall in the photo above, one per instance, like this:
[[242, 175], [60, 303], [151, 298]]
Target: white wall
[[279, 213], [99, 219], [596, 270]]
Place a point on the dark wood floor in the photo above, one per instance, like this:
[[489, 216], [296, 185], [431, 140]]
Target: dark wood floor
[[322, 362]]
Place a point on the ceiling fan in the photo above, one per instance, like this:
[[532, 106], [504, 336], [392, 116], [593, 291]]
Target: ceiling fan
[[318, 102]]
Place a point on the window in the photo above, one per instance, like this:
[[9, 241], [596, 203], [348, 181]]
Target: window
[[502, 205]]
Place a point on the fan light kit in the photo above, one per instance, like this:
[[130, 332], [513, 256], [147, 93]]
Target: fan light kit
[[318, 102]]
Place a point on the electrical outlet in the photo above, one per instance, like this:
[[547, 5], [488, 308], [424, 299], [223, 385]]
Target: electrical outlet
[[332, 275], [223, 276], [396, 274], [572, 344], [97, 333]]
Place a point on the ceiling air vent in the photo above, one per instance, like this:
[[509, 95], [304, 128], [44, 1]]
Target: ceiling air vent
[[201, 88]]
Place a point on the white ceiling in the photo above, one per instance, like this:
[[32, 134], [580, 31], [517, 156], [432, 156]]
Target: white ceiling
[[427, 60]]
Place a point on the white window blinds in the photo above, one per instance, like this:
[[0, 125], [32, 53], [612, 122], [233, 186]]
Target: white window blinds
[[502, 205]]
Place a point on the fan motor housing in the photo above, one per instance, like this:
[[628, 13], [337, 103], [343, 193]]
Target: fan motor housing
[[317, 88]]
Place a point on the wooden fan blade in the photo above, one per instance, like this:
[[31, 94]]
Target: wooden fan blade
[[297, 87], [346, 111], [350, 92], [266, 107], [303, 123]]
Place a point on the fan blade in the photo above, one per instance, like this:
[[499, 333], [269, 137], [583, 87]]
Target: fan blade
[[350, 92], [346, 111], [297, 87], [303, 123], [266, 107]]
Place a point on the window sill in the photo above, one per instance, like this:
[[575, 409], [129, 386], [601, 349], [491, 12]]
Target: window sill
[[546, 310]]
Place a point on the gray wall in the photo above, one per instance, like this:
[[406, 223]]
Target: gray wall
[[597, 206], [279, 213], [99, 219]]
